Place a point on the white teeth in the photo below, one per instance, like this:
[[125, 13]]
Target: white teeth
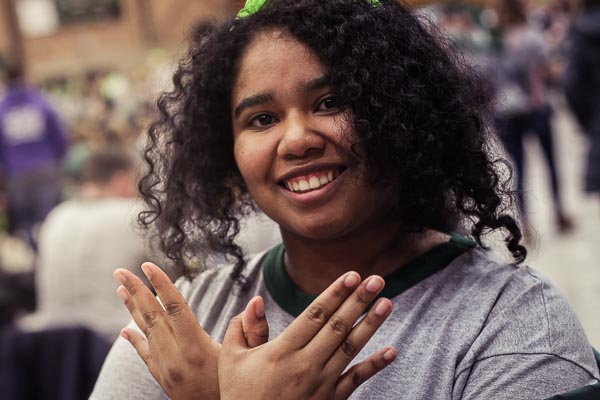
[[314, 182], [303, 185]]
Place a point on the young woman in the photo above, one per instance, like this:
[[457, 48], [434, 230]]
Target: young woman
[[355, 129]]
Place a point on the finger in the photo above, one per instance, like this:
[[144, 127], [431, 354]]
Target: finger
[[139, 342], [139, 300], [362, 372], [338, 327], [354, 342], [130, 304], [182, 320], [254, 323], [153, 321], [234, 337], [309, 323]]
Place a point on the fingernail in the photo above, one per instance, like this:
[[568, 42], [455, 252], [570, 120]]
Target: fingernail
[[147, 271], [119, 276], [125, 335], [351, 280], [389, 355], [259, 309], [374, 285], [121, 293], [382, 308]]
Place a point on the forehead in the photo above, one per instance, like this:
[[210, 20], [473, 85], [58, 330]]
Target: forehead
[[274, 58]]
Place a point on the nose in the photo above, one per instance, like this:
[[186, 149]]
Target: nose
[[300, 138]]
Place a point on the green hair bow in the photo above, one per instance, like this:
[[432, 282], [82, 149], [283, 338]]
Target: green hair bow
[[252, 7]]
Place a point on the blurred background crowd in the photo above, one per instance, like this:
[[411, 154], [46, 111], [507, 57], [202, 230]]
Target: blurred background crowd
[[79, 83]]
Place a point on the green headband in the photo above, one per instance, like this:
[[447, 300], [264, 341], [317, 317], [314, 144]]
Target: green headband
[[252, 7]]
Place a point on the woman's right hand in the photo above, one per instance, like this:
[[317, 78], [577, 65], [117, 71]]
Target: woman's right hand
[[179, 354]]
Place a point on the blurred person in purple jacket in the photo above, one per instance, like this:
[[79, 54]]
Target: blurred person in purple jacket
[[32, 144]]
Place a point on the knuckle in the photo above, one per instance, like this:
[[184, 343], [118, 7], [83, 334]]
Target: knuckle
[[362, 298], [235, 321], [317, 314], [132, 289], [150, 318], [302, 373], [262, 332], [196, 359], [338, 326], [349, 348], [174, 309], [174, 376], [357, 378], [371, 322], [339, 293]]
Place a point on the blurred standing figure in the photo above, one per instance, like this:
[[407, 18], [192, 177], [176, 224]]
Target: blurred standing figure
[[32, 144], [522, 99], [82, 241], [582, 85]]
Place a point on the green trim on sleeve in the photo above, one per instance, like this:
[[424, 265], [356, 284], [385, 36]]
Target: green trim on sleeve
[[293, 300]]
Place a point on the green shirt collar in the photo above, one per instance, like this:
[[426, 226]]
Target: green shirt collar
[[293, 300]]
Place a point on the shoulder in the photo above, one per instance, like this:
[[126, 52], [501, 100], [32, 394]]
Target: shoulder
[[523, 313], [217, 283]]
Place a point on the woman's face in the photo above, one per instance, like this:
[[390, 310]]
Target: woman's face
[[291, 144]]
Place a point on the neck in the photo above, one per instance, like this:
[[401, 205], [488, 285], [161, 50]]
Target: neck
[[315, 264]]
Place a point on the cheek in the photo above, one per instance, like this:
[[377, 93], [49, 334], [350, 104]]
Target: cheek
[[251, 159]]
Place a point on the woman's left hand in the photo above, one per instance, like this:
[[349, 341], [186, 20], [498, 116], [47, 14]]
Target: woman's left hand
[[307, 361]]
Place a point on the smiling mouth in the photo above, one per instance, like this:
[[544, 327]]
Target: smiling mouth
[[312, 181]]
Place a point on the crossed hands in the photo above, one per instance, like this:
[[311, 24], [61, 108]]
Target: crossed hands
[[307, 361]]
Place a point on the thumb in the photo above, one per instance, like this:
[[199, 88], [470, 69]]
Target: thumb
[[234, 337], [254, 323]]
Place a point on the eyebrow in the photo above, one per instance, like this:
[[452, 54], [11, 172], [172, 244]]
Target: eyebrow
[[317, 83], [251, 101], [262, 98]]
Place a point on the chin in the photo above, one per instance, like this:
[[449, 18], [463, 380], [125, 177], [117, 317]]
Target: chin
[[323, 231]]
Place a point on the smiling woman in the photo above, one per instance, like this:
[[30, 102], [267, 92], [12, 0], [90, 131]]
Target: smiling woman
[[356, 129], [297, 136]]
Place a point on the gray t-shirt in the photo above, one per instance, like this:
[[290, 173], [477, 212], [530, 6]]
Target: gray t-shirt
[[466, 326]]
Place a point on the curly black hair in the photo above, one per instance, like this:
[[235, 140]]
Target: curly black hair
[[420, 112]]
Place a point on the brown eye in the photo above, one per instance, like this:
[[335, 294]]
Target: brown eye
[[263, 120], [328, 104]]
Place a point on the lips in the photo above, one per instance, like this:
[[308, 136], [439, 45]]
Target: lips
[[310, 181]]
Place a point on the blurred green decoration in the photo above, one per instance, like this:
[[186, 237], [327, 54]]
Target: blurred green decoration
[[75, 159], [252, 7]]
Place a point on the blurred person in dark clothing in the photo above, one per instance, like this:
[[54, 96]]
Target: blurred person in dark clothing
[[523, 106], [582, 85], [32, 144]]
